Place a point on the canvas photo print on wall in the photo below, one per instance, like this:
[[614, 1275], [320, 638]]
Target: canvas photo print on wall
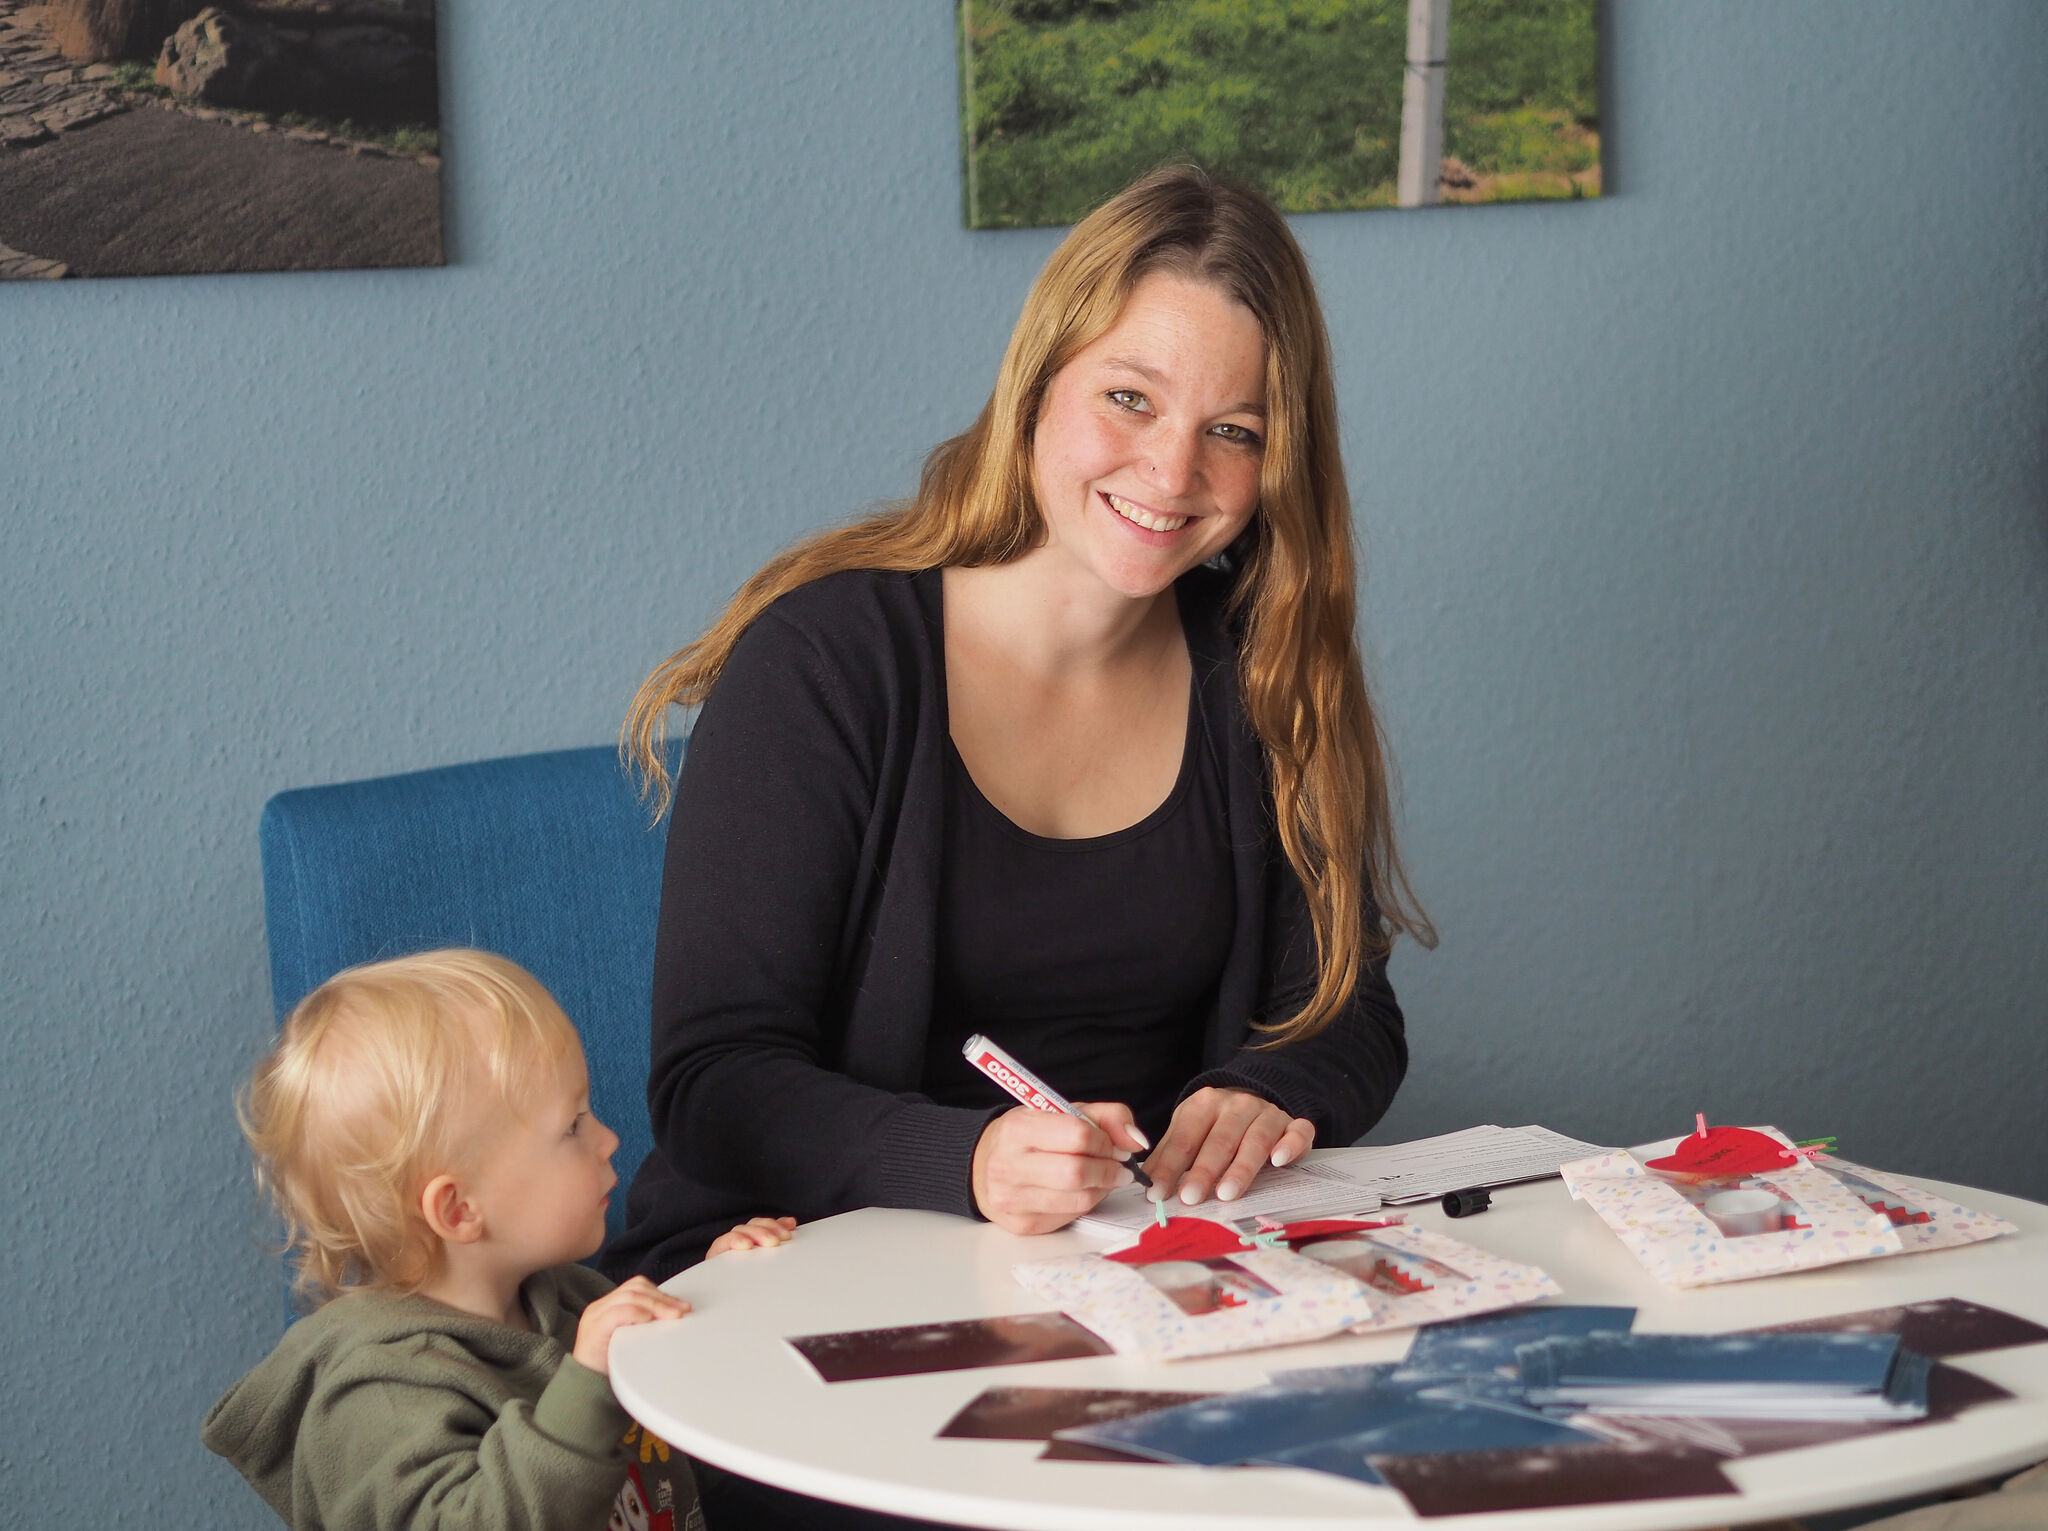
[[1321, 104], [149, 137]]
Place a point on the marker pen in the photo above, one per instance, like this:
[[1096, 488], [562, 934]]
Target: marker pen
[[1028, 1087]]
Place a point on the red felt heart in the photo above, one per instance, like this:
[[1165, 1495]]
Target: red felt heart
[[1183, 1238], [1723, 1151]]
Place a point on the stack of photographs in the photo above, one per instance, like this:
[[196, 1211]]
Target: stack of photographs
[[1458, 1390], [1453, 1429], [1521, 1408], [1746, 1376], [1331, 1423]]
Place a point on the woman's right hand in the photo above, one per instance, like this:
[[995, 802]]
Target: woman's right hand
[[1035, 1171]]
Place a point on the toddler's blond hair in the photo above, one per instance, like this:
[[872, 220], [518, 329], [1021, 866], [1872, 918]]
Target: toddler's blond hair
[[363, 1097]]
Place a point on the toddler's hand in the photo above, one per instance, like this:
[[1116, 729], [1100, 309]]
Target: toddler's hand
[[754, 1233], [639, 1301]]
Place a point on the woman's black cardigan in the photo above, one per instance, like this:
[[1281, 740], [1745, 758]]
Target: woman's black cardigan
[[799, 915]]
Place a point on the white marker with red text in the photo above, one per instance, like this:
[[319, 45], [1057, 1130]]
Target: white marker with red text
[[1028, 1087]]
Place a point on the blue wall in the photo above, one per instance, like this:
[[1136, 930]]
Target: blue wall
[[1708, 541]]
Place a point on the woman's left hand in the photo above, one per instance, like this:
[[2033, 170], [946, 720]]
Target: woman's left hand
[[1220, 1139]]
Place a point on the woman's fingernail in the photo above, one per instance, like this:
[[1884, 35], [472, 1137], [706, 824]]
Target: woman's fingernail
[[1188, 1196], [1143, 1141], [1279, 1157], [1125, 1177], [1227, 1191]]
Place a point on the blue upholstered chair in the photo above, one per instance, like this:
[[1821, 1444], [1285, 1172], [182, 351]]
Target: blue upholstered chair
[[546, 859]]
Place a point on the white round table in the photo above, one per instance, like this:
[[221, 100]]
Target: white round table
[[723, 1384]]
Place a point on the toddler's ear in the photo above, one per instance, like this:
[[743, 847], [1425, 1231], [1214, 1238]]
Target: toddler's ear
[[448, 1212]]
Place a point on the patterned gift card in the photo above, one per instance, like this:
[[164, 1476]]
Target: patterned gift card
[[1712, 1206], [1921, 1219], [1428, 1277], [1192, 1287], [1172, 1310]]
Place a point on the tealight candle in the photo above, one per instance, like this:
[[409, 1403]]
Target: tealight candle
[[1741, 1213]]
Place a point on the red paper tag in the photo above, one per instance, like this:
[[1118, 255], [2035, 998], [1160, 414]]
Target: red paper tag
[[1327, 1228], [1724, 1151], [1183, 1238]]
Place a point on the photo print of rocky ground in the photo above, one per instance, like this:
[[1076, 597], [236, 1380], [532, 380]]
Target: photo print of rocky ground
[[148, 137]]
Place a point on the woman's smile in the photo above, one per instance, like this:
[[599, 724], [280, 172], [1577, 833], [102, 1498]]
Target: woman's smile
[[1138, 515]]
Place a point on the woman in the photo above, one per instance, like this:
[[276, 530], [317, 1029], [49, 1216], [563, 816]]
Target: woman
[[1073, 748]]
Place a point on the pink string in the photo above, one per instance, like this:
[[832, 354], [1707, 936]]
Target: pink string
[[1701, 1118]]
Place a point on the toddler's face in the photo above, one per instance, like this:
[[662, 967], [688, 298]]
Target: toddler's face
[[547, 1175]]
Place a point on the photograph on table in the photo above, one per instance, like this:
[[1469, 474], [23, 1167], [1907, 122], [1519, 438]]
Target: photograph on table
[[1813, 1375], [1474, 1482], [1321, 104], [1940, 1327], [1950, 1391], [1485, 1345], [1034, 1413], [855, 1355], [162, 137], [1451, 1427], [1333, 1421], [1057, 1450]]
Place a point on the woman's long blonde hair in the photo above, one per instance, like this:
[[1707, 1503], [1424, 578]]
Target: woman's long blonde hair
[[1293, 605]]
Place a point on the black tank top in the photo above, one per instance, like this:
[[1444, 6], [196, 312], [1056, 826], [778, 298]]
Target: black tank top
[[1094, 961]]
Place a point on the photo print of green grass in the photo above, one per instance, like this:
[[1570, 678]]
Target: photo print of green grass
[[1322, 104]]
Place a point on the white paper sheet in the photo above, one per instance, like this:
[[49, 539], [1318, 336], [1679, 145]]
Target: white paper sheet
[[1339, 1181], [1318, 1187], [1457, 1161]]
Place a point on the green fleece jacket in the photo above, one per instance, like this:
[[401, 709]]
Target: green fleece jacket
[[382, 1410]]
